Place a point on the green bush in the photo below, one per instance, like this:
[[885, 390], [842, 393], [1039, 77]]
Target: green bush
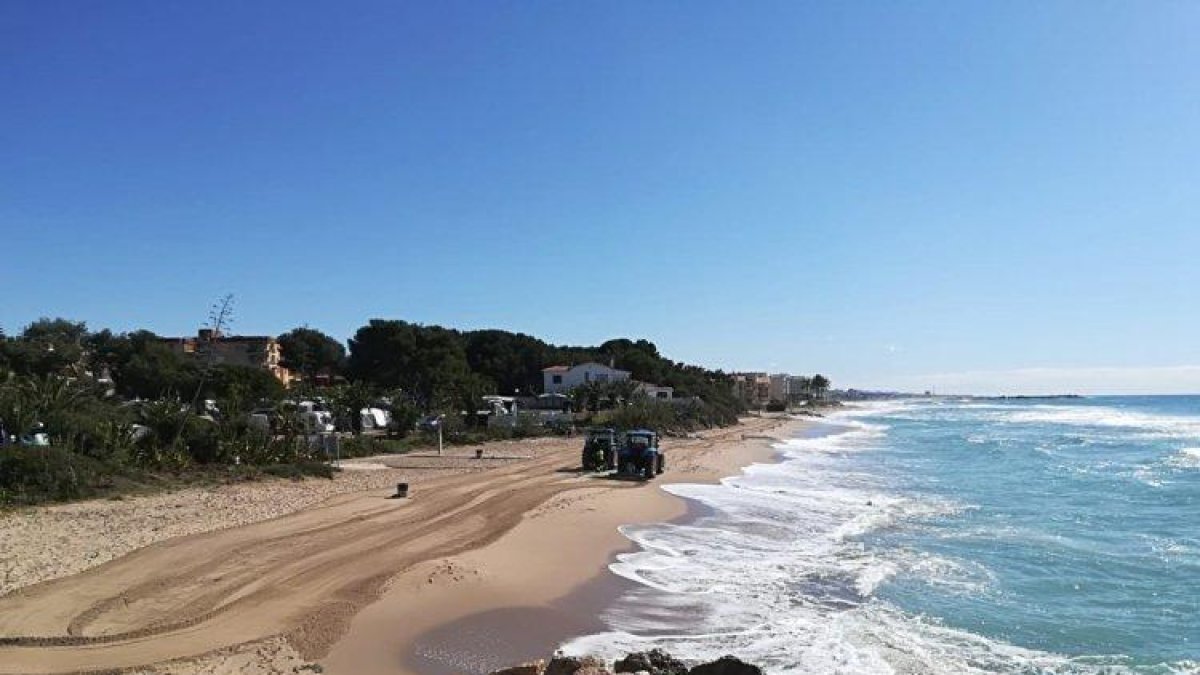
[[676, 416], [29, 475], [645, 414], [404, 418]]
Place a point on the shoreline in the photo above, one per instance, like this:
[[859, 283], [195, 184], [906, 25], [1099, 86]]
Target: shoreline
[[542, 583]]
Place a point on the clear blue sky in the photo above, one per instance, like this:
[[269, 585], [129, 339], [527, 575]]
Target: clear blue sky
[[893, 194]]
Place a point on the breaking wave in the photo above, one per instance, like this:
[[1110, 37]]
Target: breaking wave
[[780, 570]]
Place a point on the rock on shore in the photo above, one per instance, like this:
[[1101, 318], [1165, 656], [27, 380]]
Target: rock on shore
[[653, 662]]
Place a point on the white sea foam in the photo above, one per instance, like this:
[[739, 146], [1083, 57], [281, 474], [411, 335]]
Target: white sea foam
[[1152, 425], [874, 639], [1186, 458], [777, 572], [780, 575], [1158, 474]]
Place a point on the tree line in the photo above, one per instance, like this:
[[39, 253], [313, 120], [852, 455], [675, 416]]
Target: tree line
[[109, 399]]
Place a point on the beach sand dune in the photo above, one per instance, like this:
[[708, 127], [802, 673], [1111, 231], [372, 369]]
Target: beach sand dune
[[288, 588]]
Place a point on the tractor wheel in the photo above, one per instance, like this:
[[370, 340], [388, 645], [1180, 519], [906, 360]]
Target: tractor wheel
[[662, 464]]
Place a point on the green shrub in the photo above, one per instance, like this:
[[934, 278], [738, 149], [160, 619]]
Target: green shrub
[[404, 418], [645, 414], [29, 475]]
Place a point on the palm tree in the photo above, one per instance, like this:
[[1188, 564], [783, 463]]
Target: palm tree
[[820, 385], [25, 401], [165, 420], [17, 412]]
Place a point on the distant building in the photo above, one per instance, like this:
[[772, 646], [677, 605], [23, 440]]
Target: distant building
[[790, 388], [254, 351], [562, 379], [778, 389], [797, 389], [656, 392], [753, 388]]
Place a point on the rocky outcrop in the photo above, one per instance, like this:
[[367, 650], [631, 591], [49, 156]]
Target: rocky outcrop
[[726, 665], [533, 668], [575, 665], [653, 662]]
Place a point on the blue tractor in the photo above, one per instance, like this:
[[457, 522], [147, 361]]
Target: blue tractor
[[640, 455]]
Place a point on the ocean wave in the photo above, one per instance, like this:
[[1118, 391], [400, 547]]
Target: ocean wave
[[783, 547], [1185, 458], [797, 565], [1152, 425], [843, 434], [1097, 422], [1159, 473], [875, 639]]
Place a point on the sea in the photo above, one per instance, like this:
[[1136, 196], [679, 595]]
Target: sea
[[937, 536]]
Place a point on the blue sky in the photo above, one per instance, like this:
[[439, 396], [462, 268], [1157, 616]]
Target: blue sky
[[977, 196]]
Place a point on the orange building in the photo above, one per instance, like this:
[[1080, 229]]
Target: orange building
[[254, 351]]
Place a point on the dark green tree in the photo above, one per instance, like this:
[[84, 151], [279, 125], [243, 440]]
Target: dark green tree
[[382, 353], [427, 362], [147, 368], [48, 346], [243, 388], [513, 361], [310, 352], [820, 385]]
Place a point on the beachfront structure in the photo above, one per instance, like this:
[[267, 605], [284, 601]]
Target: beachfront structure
[[656, 392], [562, 379], [778, 389], [753, 388], [798, 389], [790, 388], [254, 351]]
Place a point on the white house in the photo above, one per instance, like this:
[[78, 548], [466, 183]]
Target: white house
[[657, 392], [561, 379]]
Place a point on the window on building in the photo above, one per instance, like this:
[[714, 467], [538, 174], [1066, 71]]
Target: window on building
[[557, 379]]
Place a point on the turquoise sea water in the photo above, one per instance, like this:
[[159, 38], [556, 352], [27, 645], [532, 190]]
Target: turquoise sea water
[[945, 536]]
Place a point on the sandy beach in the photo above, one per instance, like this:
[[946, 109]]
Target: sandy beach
[[38, 544], [490, 562]]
